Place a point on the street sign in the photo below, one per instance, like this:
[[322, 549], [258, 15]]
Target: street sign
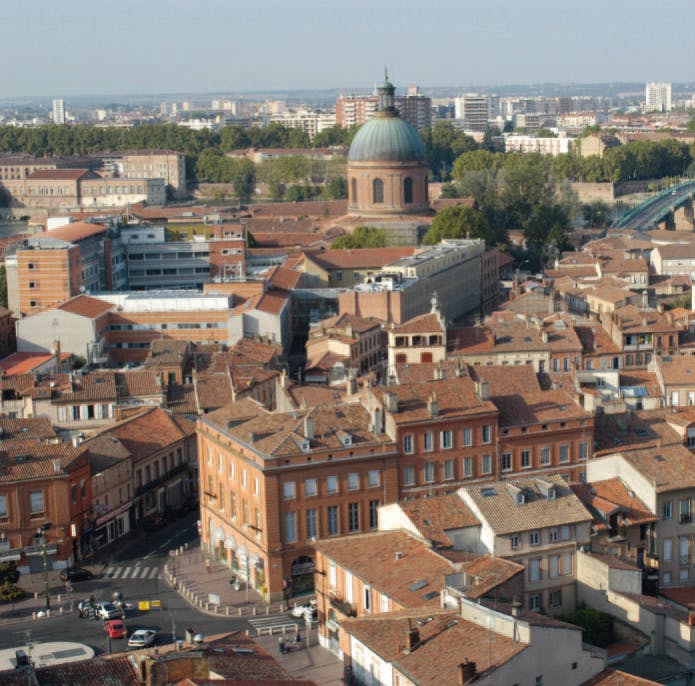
[[144, 605], [156, 604], [214, 599]]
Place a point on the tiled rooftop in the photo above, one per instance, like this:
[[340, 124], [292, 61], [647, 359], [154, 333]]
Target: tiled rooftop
[[496, 504], [394, 563]]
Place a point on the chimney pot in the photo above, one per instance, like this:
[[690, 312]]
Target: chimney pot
[[467, 672]]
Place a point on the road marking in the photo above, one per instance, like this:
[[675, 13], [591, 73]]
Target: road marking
[[154, 572], [109, 572], [165, 544], [126, 573], [116, 572]]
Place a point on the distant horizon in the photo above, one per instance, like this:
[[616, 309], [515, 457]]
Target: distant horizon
[[637, 86], [221, 46]]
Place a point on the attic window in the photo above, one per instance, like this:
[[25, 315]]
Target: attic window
[[520, 498], [418, 585], [487, 492], [431, 595]]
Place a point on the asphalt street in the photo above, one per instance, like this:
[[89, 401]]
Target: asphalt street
[[133, 569]]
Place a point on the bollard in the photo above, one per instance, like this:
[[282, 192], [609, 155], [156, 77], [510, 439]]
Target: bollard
[[33, 615], [240, 612], [227, 610], [255, 610], [61, 609], [36, 595], [267, 610], [59, 597], [48, 613], [206, 606]]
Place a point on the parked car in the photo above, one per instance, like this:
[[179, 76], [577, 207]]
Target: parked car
[[307, 611], [75, 574], [114, 628], [142, 638], [107, 611]]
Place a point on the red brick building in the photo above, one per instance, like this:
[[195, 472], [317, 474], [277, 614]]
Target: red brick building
[[43, 483]]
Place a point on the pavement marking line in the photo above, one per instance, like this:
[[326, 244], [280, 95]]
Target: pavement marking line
[[116, 572], [109, 571], [126, 573], [154, 573]]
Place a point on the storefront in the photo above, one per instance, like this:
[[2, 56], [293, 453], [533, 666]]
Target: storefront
[[111, 525], [302, 575]]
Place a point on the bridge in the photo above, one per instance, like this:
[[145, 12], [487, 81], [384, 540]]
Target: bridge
[[670, 209]]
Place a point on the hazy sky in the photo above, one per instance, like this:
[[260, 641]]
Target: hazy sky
[[75, 47]]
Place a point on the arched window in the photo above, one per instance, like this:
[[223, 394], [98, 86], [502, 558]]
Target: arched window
[[408, 190], [353, 189], [377, 191]]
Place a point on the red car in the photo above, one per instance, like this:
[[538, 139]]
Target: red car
[[114, 628]]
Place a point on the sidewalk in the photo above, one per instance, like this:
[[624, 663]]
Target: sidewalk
[[188, 573]]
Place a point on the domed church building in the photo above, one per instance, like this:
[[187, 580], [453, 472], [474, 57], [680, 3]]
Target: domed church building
[[387, 166]]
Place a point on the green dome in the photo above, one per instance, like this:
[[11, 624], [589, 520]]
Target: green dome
[[387, 139]]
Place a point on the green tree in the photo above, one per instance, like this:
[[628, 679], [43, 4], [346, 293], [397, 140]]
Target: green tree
[[9, 593], [597, 626], [545, 133], [362, 237], [336, 188], [9, 574], [596, 214], [458, 221], [488, 143]]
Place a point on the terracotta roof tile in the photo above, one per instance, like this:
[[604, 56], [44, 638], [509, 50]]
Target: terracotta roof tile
[[359, 258], [373, 559], [614, 677], [496, 504], [456, 397], [425, 323], [433, 517], [445, 640], [86, 306], [75, 232], [602, 498]]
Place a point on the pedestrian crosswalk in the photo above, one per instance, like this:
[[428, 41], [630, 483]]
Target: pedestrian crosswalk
[[132, 573]]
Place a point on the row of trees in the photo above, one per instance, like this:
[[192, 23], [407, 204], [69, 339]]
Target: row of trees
[[204, 150]]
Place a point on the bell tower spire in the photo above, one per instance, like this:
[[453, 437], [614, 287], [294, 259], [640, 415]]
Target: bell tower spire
[[386, 91]]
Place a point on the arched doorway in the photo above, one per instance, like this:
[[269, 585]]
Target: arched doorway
[[302, 575]]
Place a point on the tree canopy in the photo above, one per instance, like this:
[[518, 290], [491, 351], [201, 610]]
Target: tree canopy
[[362, 237], [460, 221]]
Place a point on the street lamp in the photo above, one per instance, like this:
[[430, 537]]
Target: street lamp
[[41, 533]]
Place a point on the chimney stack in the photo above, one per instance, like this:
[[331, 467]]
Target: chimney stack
[[483, 390], [309, 428], [433, 405], [466, 673], [645, 299], [516, 606], [413, 639], [390, 402]]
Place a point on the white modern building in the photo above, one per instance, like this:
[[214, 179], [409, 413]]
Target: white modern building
[[657, 97], [58, 111], [473, 110]]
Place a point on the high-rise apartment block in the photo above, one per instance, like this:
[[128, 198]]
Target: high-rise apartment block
[[657, 97], [416, 109], [58, 111], [473, 110]]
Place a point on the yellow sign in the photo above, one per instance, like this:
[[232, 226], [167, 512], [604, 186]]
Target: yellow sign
[[155, 604], [144, 605]]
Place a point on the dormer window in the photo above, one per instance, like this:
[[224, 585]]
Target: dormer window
[[305, 446], [520, 499]]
